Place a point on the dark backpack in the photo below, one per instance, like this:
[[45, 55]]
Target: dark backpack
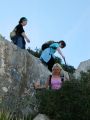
[[13, 36], [47, 45]]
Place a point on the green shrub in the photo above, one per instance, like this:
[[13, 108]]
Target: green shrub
[[71, 102], [4, 115]]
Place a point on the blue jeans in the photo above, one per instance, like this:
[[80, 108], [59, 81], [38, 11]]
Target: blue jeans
[[19, 41]]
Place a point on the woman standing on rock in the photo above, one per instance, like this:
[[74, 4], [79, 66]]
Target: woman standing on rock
[[18, 35]]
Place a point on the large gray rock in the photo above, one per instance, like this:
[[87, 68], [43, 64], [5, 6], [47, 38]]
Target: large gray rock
[[66, 75], [41, 117], [18, 71], [83, 66]]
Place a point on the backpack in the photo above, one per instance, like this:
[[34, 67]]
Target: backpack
[[12, 34], [47, 45]]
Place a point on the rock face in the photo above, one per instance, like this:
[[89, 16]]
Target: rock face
[[66, 75], [84, 66], [41, 117], [18, 71]]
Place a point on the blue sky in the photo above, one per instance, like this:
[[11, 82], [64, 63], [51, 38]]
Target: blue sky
[[51, 20]]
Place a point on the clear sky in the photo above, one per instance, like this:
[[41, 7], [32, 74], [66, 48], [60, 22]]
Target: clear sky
[[51, 20]]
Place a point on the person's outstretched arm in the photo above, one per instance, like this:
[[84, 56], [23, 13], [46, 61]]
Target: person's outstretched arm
[[25, 36], [59, 51]]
